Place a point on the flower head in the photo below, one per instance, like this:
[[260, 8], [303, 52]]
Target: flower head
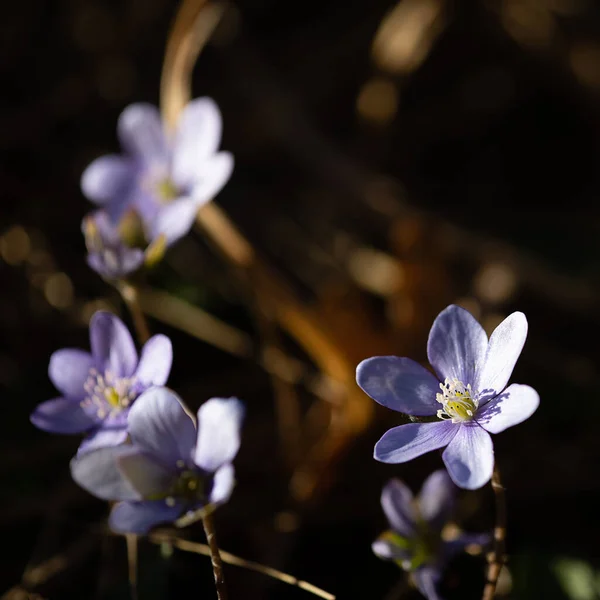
[[415, 540], [116, 251], [170, 468], [165, 178], [99, 388], [467, 394]]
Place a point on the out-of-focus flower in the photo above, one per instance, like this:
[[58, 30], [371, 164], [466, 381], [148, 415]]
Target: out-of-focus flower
[[170, 469], [414, 541], [165, 178], [116, 251], [472, 403], [99, 388]]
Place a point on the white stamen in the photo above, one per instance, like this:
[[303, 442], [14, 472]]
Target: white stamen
[[458, 401]]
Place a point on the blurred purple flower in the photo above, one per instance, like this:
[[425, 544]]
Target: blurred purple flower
[[169, 469], [98, 388], [116, 251], [473, 401], [414, 541], [165, 178]]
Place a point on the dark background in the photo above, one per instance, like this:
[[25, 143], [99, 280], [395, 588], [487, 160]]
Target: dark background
[[474, 171]]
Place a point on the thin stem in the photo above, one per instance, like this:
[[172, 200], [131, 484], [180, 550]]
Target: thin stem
[[496, 558], [232, 559], [129, 293], [132, 563], [217, 564]]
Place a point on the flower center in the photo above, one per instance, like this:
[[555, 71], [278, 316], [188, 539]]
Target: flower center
[[166, 190], [107, 395], [458, 401]]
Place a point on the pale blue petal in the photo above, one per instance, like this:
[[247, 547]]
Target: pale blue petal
[[69, 369], [140, 517], [161, 427], [210, 178], [197, 137], [175, 219], [403, 443], [97, 472], [112, 345], [513, 406], [457, 345], [219, 423], [151, 479], [108, 178], [155, 362], [397, 504], [504, 349], [469, 458], [436, 499], [61, 415], [141, 133], [223, 484]]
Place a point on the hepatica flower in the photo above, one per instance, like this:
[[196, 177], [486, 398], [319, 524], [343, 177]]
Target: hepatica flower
[[171, 467], [467, 394], [98, 388], [415, 540], [165, 178]]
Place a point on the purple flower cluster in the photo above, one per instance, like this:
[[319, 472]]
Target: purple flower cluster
[[149, 196], [141, 446], [415, 540]]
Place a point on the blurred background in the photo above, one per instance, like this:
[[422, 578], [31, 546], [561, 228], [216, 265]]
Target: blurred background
[[391, 158]]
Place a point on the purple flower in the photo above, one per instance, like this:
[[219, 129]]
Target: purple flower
[[116, 251], [169, 469], [470, 403], [414, 541], [98, 388], [165, 178]]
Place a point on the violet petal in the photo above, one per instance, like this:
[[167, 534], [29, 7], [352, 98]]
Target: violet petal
[[61, 415], [175, 220], [219, 422], [457, 345], [161, 427], [155, 361], [403, 443], [140, 517], [197, 137], [223, 484], [469, 458], [513, 406], [427, 579], [112, 345], [436, 499], [141, 133], [69, 369], [397, 504], [97, 472], [107, 178], [400, 384], [504, 348]]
